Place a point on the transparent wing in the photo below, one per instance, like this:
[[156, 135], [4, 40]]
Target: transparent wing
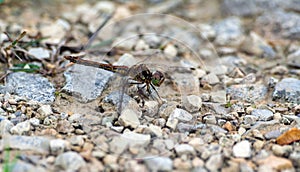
[[181, 52]]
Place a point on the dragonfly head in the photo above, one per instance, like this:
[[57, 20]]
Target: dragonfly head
[[157, 78]]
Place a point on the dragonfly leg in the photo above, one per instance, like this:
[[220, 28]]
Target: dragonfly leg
[[156, 92], [139, 95]]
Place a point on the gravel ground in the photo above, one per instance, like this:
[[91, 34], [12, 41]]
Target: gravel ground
[[230, 100]]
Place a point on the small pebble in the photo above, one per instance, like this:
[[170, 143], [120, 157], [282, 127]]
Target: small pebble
[[21, 128], [129, 118], [242, 149], [45, 110], [170, 51], [69, 161]]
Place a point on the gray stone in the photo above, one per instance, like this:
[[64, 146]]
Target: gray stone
[[3, 36], [58, 146], [199, 169], [285, 121], [287, 24], [45, 110], [218, 96], [215, 67], [184, 149], [129, 118], [229, 32], [86, 83], [257, 46], [253, 7], [5, 126], [2, 112], [170, 51], [279, 150], [63, 116], [218, 108], [39, 53], [250, 119], [233, 61], [125, 45], [272, 134], [195, 142], [187, 83], [294, 59], [221, 122], [55, 31], [136, 139], [215, 162], [76, 140], [105, 6], [272, 82], [192, 103], [21, 166], [227, 50], [292, 118], [295, 157], [33, 143], [279, 70], [184, 127], [31, 86], [181, 115], [210, 119], [207, 31], [126, 60], [21, 128], [70, 161], [242, 149], [257, 134], [98, 154], [211, 149], [88, 121], [34, 122], [108, 120], [159, 164], [131, 139], [215, 129], [50, 121], [245, 167], [206, 53], [226, 142], [205, 97], [151, 108], [211, 79], [165, 7], [74, 117], [153, 40], [62, 126], [247, 92], [263, 114], [115, 98], [287, 90], [154, 130]]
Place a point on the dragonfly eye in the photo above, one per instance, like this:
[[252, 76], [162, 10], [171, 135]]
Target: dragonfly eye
[[157, 78]]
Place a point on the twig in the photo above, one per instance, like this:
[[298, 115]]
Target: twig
[[92, 38], [4, 75]]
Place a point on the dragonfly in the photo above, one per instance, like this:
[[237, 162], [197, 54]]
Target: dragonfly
[[139, 74]]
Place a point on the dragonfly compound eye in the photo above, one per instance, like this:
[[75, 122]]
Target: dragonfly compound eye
[[157, 78]]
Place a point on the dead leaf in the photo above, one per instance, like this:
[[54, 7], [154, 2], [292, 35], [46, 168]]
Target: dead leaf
[[288, 137]]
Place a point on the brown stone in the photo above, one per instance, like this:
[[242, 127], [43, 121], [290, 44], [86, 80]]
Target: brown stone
[[276, 163]]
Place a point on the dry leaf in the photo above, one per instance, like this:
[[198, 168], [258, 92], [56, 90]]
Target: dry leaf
[[288, 137]]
